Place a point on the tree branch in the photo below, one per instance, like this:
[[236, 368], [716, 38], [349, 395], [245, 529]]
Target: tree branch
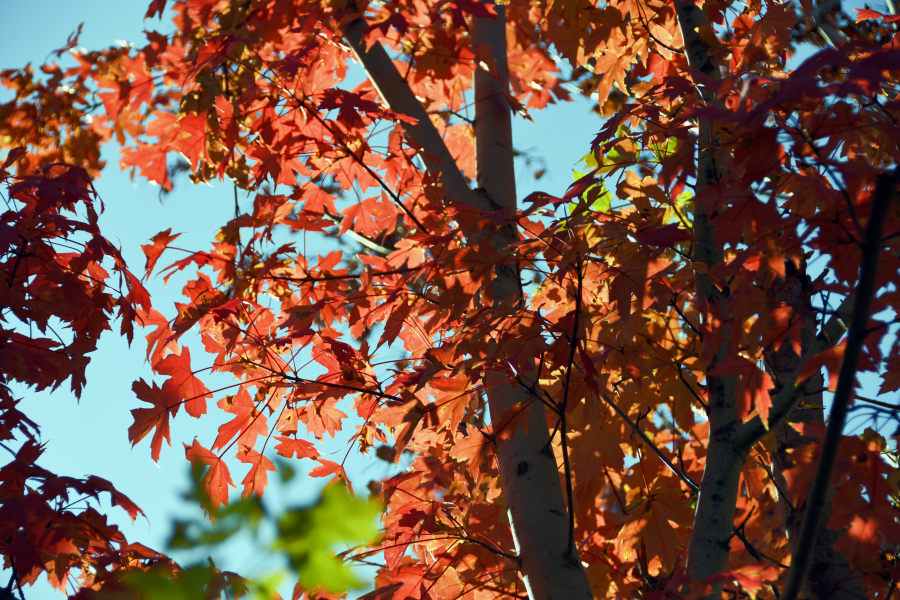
[[885, 189], [362, 239], [714, 517], [549, 562], [573, 347], [395, 91], [785, 400], [637, 430]]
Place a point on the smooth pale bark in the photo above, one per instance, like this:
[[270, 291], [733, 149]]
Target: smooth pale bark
[[708, 551], [548, 563], [708, 548], [548, 560], [396, 93]]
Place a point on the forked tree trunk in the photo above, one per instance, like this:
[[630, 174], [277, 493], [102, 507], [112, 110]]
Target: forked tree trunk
[[548, 562], [730, 440]]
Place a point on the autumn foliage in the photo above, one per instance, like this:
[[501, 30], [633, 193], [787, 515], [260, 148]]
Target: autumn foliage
[[615, 390], [57, 297]]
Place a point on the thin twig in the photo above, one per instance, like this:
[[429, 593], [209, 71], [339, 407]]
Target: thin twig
[[302, 102], [682, 476], [573, 347], [738, 532]]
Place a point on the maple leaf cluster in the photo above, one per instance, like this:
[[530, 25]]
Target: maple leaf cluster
[[735, 236], [57, 298]]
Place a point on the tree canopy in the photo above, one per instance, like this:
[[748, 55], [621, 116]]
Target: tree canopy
[[614, 390]]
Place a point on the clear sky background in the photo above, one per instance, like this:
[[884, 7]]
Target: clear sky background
[[90, 436]]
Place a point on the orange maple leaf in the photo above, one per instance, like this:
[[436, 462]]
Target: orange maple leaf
[[217, 479]]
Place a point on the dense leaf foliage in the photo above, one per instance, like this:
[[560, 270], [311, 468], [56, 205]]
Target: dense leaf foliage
[[57, 298], [733, 236]]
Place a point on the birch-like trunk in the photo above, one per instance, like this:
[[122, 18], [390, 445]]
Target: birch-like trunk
[[548, 562], [708, 548], [729, 440]]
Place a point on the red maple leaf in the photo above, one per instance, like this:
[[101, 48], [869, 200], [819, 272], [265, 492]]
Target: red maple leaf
[[217, 479], [257, 478], [152, 251], [183, 383], [247, 424], [155, 419], [326, 468], [291, 447]]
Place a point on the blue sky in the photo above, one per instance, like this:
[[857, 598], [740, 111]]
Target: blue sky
[[89, 437]]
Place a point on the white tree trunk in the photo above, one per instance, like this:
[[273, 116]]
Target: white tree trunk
[[548, 562]]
